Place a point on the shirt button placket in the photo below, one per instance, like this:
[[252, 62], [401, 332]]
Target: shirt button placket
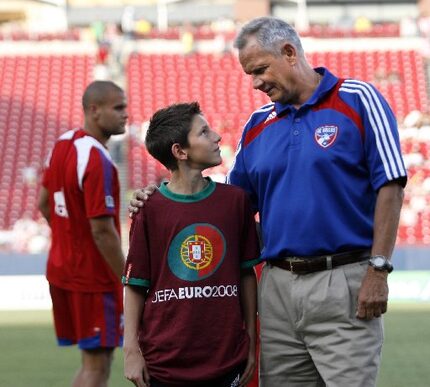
[[296, 131]]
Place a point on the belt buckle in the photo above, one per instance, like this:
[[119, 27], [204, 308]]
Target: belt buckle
[[291, 260], [329, 262]]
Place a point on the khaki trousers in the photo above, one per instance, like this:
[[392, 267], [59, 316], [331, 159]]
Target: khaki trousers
[[309, 333]]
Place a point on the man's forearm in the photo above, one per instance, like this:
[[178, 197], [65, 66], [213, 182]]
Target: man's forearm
[[387, 215], [373, 294], [108, 243], [43, 204]]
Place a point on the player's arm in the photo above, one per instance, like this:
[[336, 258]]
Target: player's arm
[[108, 242], [43, 203], [373, 295], [135, 368], [248, 299]]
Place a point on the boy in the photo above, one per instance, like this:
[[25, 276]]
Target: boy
[[190, 296]]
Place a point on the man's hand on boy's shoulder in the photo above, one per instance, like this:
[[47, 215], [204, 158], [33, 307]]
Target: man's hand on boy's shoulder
[[138, 199]]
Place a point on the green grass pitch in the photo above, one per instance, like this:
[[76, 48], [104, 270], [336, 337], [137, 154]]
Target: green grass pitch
[[29, 355]]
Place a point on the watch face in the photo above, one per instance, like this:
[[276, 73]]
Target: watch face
[[379, 261]]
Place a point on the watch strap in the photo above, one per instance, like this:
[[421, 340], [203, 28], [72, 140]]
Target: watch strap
[[386, 266]]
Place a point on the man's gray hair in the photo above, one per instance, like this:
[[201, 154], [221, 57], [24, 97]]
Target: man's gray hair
[[269, 32]]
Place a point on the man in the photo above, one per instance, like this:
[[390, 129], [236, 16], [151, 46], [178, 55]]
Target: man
[[323, 167], [80, 200]]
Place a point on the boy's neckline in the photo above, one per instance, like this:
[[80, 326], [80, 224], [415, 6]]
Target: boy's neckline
[[203, 194]]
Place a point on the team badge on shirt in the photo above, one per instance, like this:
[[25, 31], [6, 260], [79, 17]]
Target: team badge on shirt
[[196, 252], [60, 204], [110, 202], [326, 135]]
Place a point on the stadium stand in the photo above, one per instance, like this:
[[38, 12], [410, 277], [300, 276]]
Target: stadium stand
[[19, 35], [206, 31], [226, 96], [398, 74], [217, 82], [39, 99], [159, 79], [375, 31]]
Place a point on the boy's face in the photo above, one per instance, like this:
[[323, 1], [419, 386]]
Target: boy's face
[[203, 150]]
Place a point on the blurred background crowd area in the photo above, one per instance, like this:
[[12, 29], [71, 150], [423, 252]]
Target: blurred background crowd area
[[165, 51]]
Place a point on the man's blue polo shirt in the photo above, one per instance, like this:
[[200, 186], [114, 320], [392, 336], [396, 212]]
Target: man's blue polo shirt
[[314, 173]]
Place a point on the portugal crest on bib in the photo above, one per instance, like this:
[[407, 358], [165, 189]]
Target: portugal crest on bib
[[196, 252], [326, 135]]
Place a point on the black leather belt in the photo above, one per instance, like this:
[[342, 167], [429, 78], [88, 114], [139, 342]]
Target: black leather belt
[[311, 264]]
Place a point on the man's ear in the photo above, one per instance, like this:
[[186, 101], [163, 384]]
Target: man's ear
[[93, 110], [178, 152], [289, 52]]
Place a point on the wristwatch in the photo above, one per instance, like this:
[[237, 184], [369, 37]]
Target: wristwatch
[[381, 263]]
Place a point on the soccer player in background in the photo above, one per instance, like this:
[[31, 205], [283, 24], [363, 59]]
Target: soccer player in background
[[190, 296], [80, 200]]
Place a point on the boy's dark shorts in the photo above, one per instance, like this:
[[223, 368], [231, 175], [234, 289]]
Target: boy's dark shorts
[[231, 379]]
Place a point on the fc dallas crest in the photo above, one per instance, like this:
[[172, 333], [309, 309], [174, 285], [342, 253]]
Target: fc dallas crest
[[326, 135]]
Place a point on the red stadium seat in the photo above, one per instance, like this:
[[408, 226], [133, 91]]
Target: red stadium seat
[[39, 98], [227, 98]]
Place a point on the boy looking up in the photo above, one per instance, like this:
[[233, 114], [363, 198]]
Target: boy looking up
[[190, 296]]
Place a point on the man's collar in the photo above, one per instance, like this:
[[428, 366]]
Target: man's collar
[[328, 81]]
